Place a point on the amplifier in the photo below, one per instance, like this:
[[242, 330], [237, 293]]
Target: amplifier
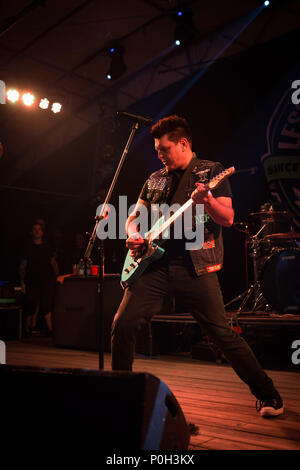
[[76, 311]]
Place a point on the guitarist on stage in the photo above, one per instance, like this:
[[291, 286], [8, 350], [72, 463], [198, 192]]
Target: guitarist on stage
[[189, 275]]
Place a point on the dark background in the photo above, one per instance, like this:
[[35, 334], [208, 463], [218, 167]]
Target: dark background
[[228, 108]]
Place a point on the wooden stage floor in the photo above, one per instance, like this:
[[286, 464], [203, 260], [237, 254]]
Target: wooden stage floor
[[211, 396]]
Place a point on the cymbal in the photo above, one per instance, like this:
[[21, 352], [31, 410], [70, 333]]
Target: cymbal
[[282, 236], [270, 215]]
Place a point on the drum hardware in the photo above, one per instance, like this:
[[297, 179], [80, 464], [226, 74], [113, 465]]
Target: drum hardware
[[276, 264], [259, 302], [284, 236], [271, 216], [280, 280], [278, 221], [276, 276], [282, 241]]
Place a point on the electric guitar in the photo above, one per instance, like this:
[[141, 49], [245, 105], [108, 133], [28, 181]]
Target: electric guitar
[[133, 268]]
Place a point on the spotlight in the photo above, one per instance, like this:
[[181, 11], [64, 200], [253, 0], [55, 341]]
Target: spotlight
[[56, 108], [28, 99], [266, 3], [117, 65], [44, 103], [184, 29], [13, 95]]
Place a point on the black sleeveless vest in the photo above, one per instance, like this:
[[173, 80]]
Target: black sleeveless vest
[[210, 257]]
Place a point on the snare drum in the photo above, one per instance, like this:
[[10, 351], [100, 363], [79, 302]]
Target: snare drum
[[280, 280]]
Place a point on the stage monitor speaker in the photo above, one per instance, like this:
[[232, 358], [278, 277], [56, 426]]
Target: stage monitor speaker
[[88, 409], [75, 311]]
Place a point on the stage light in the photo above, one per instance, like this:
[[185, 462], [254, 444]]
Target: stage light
[[117, 65], [28, 99], [56, 108], [44, 103], [184, 30], [13, 95], [266, 3]]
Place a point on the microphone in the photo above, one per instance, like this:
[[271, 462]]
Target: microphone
[[142, 120]]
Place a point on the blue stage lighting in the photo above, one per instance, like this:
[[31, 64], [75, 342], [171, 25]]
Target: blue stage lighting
[[184, 31], [117, 65]]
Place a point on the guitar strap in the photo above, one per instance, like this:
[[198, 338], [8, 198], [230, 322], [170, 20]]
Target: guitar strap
[[179, 196]]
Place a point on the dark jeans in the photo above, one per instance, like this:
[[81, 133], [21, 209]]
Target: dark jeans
[[203, 298], [40, 292]]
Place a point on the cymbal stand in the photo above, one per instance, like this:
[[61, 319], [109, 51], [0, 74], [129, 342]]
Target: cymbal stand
[[255, 288]]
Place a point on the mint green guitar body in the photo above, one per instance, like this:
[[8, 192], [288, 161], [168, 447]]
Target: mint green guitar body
[[133, 269]]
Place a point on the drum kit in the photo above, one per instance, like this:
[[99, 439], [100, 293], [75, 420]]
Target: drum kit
[[276, 264]]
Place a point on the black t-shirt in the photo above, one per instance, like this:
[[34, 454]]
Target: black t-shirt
[[38, 259], [176, 248]]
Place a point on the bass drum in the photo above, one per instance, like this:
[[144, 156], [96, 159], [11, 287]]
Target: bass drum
[[280, 280]]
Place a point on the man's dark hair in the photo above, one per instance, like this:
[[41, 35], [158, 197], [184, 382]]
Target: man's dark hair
[[176, 128]]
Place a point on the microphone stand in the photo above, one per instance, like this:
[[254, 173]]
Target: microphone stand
[[90, 246]]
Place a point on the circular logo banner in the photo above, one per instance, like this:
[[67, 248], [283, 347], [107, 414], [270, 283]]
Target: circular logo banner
[[282, 161]]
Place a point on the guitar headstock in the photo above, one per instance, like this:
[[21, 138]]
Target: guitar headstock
[[213, 183]]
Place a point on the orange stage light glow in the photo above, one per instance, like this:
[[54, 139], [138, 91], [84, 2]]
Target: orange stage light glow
[[44, 103], [13, 95], [56, 108], [28, 99]]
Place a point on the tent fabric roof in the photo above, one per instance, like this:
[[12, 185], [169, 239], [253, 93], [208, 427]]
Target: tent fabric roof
[[60, 49]]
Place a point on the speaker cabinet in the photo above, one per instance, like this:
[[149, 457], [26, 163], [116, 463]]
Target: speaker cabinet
[[86, 409], [75, 314]]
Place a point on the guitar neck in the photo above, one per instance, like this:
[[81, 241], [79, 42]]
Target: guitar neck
[[213, 184], [155, 233]]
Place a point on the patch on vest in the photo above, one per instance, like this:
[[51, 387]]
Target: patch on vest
[[212, 269], [201, 174], [157, 184], [209, 244]]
